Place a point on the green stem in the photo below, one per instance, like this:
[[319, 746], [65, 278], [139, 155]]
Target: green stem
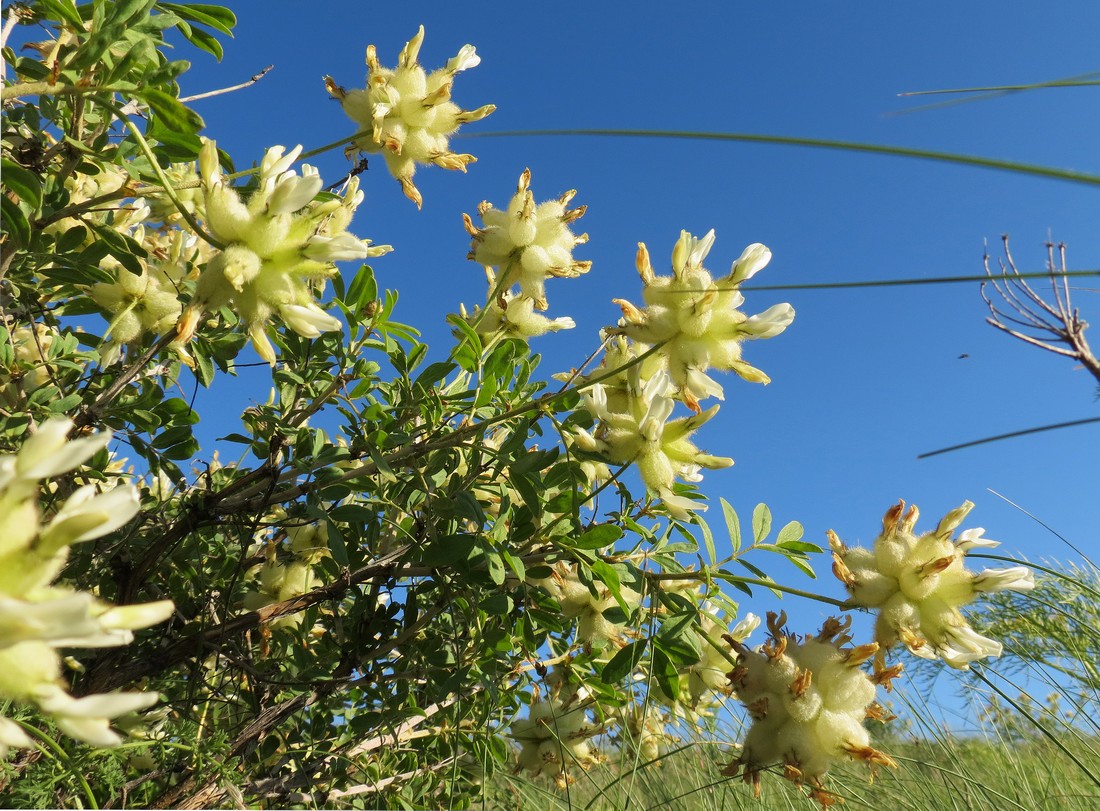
[[168, 189], [50, 746], [821, 143], [21, 89]]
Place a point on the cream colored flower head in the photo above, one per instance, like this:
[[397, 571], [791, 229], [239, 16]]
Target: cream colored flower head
[[696, 317], [555, 737], [408, 113], [807, 699], [528, 243], [919, 582], [279, 247], [37, 618], [644, 435], [147, 302]]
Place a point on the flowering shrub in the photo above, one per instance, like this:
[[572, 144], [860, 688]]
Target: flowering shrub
[[403, 582]]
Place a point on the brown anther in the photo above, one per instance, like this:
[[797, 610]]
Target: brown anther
[[877, 712], [334, 89], [842, 573], [833, 627], [688, 398], [776, 622], [858, 655], [911, 639], [466, 116], [737, 675], [573, 214], [566, 197], [372, 59], [483, 207], [825, 798], [835, 543], [472, 229], [870, 755], [801, 682], [935, 566], [758, 710], [452, 160], [792, 772], [886, 675], [580, 239], [630, 312], [410, 190], [890, 520], [910, 519], [524, 181], [439, 96]]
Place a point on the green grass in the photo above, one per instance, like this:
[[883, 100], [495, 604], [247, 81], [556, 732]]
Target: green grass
[[993, 771], [1016, 752]]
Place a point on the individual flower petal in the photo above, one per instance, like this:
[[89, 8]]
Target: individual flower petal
[[309, 321]]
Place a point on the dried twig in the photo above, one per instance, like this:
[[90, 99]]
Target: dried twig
[[1056, 327], [241, 86]]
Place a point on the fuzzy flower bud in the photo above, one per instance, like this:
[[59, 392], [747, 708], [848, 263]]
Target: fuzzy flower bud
[[528, 243]]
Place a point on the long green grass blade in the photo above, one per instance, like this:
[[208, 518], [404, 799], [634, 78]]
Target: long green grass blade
[[819, 143]]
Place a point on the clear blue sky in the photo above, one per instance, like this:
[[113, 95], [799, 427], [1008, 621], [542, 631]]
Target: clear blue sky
[[865, 379]]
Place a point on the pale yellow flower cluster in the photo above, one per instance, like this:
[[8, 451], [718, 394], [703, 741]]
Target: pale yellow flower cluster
[[409, 113], [523, 245], [579, 601], [918, 583], [278, 580], [147, 302], [278, 247], [30, 366], [807, 699], [690, 324], [556, 736], [37, 618]]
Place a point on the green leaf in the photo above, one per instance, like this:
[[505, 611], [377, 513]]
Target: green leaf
[[203, 40], [803, 565], [800, 547], [336, 544], [791, 533], [610, 578], [15, 221], [732, 524], [623, 663], [496, 604], [62, 10], [433, 374], [666, 673], [683, 647], [599, 536], [761, 522], [708, 538], [172, 113], [495, 567], [216, 17], [23, 182]]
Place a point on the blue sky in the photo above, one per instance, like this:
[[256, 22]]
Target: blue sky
[[865, 379]]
